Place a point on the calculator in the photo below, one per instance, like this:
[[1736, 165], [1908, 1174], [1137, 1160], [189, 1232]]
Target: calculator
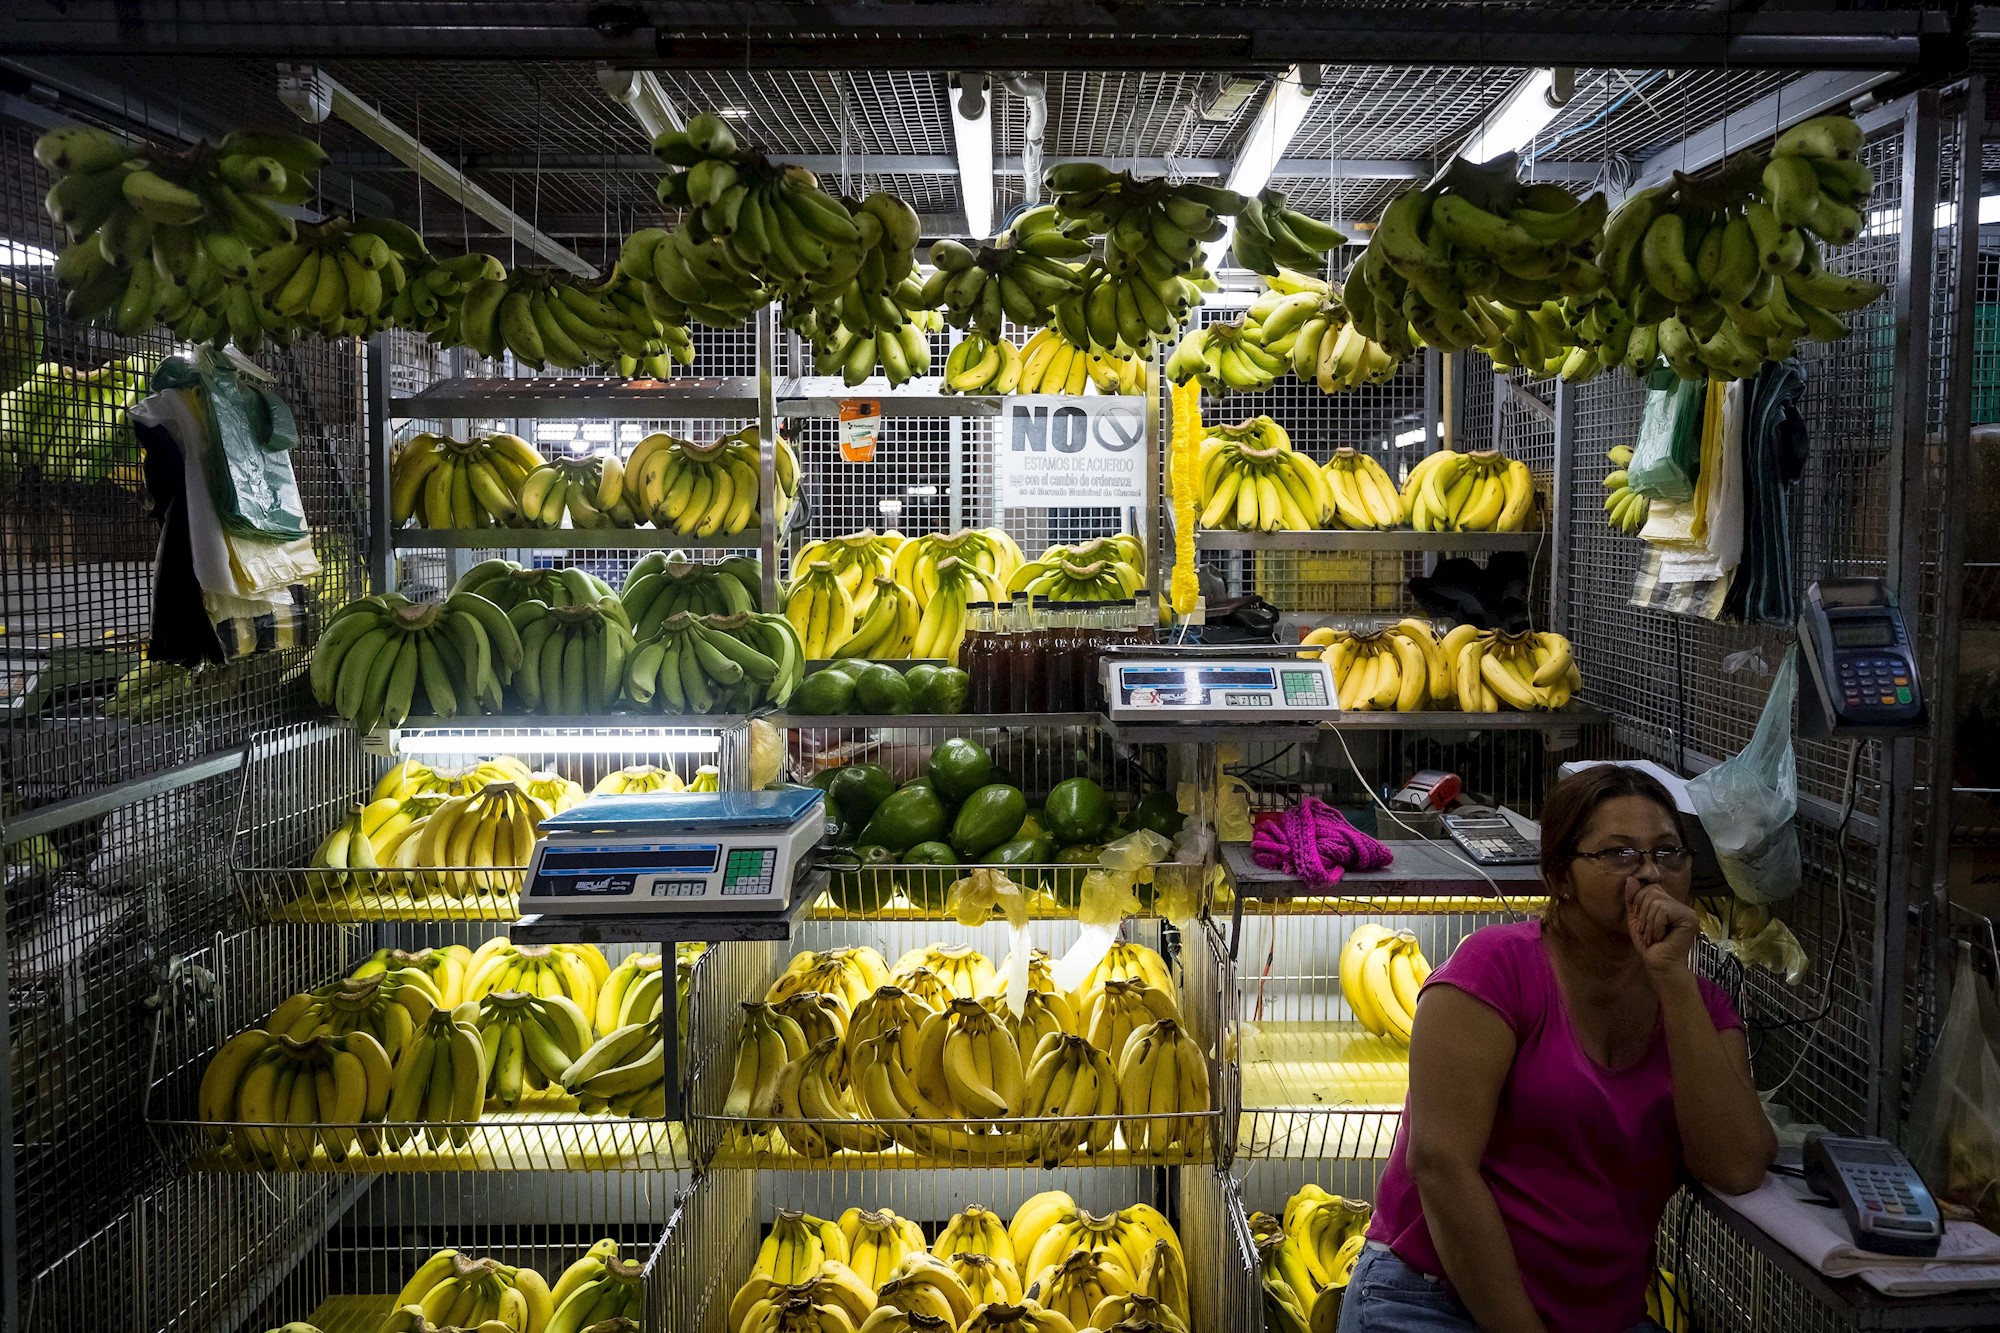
[[1490, 838], [1884, 1200]]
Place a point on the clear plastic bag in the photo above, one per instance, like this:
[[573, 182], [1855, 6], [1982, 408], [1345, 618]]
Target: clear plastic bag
[[1667, 457], [1954, 1137], [1747, 802]]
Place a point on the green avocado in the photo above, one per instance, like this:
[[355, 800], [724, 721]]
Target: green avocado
[[1077, 810], [919, 679], [851, 667], [880, 691], [944, 692], [910, 816], [1157, 810], [856, 791], [960, 767], [990, 816], [826, 693], [1022, 852], [868, 889], [929, 889]]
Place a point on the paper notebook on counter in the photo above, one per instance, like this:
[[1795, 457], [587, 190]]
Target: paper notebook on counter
[[1968, 1257]]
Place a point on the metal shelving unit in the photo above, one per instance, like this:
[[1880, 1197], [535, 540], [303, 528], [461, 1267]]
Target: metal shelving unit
[[1443, 543]]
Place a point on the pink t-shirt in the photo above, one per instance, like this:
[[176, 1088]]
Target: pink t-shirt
[[1582, 1160]]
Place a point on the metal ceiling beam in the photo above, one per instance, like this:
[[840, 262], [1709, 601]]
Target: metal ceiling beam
[[1801, 99], [312, 93], [943, 164], [1025, 34]]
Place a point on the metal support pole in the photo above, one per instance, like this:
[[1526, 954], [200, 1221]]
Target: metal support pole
[[10, 1253], [1913, 385], [765, 324], [1942, 686], [1559, 507], [1502, 386], [381, 554], [1434, 376]]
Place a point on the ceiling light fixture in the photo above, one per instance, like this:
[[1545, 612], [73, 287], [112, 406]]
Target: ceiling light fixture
[[1515, 123], [640, 92], [1284, 110], [972, 134], [635, 742]]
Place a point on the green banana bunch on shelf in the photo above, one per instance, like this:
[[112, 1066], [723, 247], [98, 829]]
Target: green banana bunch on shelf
[[1153, 231], [1272, 237], [1453, 263], [21, 325], [663, 584], [381, 655], [547, 318], [572, 657], [590, 490], [1722, 272], [157, 235], [716, 664], [446, 483], [530, 1040], [1020, 275], [507, 585]]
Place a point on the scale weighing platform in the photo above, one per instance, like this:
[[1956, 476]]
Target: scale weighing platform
[[1232, 688], [671, 854]]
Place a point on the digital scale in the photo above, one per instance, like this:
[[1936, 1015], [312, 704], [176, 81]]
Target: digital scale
[[1861, 673], [1219, 689], [740, 853]]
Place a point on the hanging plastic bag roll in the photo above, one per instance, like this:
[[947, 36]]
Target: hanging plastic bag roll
[[1747, 803], [1667, 457], [972, 901]]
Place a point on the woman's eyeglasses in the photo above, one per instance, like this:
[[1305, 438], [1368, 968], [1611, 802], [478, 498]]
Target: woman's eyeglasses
[[1625, 860]]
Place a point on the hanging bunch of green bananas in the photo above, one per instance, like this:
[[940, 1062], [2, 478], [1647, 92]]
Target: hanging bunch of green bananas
[[1721, 273], [590, 489], [676, 348], [429, 293], [1153, 232], [716, 664], [665, 583], [572, 657], [447, 483], [1453, 263], [21, 326], [1271, 237], [158, 234], [334, 278], [685, 277], [1019, 275], [879, 295], [507, 585], [546, 318], [902, 351], [1225, 356], [377, 651], [84, 412], [979, 364]]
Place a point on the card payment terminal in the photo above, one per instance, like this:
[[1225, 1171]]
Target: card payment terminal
[[1859, 662]]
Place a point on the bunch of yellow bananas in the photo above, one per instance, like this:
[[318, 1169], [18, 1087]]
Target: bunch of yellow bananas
[[411, 777], [478, 483], [989, 554], [446, 965], [1481, 491], [700, 490], [1525, 671], [1380, 974], [320, 1088], [1307, 1257], [1252, 480], [1226, 356], [590, 490], [858, 559], [1364, 495], [455, 1290], [572, 970], [638, 778], [978, 364], [1624, 508], [887, 629], [601, 1286], [1053, 364], [473, 846], [1102, 569], [1304, 321], [1399, 668]]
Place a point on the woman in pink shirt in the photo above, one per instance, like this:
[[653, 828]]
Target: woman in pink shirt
[[1566, 1075]]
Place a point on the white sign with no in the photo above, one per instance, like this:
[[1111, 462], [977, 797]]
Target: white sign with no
[[1050, 451]]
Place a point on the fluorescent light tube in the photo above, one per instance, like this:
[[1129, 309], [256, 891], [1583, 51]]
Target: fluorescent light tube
[[1512, 127], [1270, 135], [973, 137], [549, 742]]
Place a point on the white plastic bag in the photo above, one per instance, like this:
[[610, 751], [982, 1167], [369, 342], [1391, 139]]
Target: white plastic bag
[[1954, 1138], [1747, 802]]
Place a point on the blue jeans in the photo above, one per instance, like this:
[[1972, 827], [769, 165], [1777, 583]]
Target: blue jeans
[[1386, 1295]]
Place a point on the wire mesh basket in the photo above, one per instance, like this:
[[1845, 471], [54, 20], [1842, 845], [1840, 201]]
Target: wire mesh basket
[[1315, 1083], [242, 979], [721, 1222], [300, 783], [346, 1276], [1200, 968]]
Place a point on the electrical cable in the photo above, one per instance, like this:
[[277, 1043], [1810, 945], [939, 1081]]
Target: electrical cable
[[1840, 943]]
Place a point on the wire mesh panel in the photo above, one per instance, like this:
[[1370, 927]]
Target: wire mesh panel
[[349, 1275], [218, 1126], [725, 1229]]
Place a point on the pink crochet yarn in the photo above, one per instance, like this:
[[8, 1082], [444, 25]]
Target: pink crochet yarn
[[1313, 842]]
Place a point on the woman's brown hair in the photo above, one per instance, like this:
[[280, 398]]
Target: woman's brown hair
[[1566, 813]]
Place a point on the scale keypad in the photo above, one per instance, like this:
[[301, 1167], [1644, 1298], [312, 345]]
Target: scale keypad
[[747, 873], [1880, 681]]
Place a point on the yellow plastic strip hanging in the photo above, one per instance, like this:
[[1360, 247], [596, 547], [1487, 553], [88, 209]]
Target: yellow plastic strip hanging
[[1186, 458]]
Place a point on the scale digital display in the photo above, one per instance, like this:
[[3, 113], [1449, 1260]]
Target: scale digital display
[[1278, 691]]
